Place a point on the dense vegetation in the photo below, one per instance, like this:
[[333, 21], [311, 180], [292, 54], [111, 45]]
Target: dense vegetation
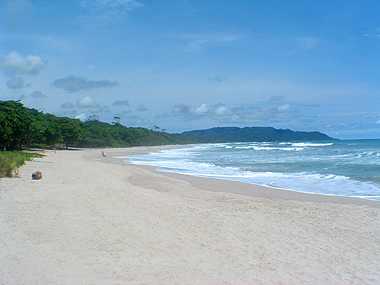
[[22, 127], [231, 134], [10, 161], [100, 134]]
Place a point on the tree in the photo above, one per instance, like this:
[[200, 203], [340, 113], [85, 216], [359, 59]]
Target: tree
[[52, 135], [5, 131], [71, 131], [25, 127], [15, 125]]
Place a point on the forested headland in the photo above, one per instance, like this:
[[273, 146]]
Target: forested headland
[[22, 127]]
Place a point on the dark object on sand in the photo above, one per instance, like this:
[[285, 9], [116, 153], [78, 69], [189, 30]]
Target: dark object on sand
[[37, 175]]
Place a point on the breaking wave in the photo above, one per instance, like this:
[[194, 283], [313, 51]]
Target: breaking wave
[[330, 172]]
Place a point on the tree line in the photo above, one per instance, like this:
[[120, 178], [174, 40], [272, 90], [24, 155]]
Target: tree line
[[22, 127]]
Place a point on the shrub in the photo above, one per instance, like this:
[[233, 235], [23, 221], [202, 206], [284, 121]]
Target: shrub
[[10, 161]]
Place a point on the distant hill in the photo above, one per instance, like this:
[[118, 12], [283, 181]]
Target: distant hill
[[247, 134]]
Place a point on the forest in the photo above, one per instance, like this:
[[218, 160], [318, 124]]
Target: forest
[[22, 127]]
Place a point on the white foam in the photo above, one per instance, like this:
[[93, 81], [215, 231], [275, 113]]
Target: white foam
[[370, 153], [245, 147], [302, 182], [311, 144], [278, 148], [181, 160]]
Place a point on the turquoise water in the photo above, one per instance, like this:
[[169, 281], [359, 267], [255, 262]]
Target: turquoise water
[[344, 168]]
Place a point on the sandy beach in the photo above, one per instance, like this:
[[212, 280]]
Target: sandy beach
[[94, 220]]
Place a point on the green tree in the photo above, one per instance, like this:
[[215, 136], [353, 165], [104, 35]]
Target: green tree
[[21, 126], [71, 131], [52, 135], [15, 125]]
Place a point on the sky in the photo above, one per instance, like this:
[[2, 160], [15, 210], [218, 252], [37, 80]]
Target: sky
[[194, 64]]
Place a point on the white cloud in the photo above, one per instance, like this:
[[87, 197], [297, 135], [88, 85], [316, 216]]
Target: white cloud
[[222, 110], [216, 111], [202, 109], [17, 64], [87, 102]]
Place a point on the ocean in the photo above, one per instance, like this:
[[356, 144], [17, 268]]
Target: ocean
[[343, 168]]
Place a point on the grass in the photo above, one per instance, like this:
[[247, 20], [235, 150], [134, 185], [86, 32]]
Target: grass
[[10, 161]]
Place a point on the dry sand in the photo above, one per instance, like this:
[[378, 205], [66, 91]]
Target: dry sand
[[93, 221]]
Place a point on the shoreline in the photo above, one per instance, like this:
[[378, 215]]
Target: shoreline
[[241, 188], [95, 220]]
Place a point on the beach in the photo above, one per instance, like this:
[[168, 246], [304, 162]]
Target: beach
[[99, 220]]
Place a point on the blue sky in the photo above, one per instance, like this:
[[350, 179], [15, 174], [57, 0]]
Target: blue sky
[[186, 64]]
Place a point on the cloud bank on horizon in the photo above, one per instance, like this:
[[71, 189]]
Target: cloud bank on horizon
[[192, 64]]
